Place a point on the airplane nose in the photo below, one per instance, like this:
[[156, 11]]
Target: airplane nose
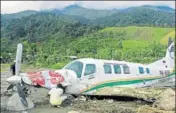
[[14, 80]]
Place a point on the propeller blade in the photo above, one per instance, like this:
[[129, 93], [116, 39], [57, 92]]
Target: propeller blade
[[10, 87], [22, 94], [18, 58]]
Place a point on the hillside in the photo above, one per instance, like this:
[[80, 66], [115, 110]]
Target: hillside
[[119, 43], [51, 36], [19, 14], [40, 27], [139, 16], [160, 16], [140, 33], [140, 44], [87, 13]]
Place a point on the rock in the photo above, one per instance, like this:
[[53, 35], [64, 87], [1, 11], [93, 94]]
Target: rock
[[67, 100], [166, 100], [110, 101], [73, 112], [82, 98], [14, 103]]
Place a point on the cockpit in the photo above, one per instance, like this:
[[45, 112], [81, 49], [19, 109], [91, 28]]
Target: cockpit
[[78, 68]]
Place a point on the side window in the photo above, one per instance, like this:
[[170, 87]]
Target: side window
[[107, 68], [147, 70], [90, 69], [126, 69], [141, 70], [117, 69]]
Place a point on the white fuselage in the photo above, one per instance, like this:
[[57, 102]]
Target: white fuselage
[[93, 74]]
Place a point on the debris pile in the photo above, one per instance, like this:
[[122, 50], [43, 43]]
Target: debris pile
[[166, 100], [145, 93], [148, 109], [102, 106], [165, 103]]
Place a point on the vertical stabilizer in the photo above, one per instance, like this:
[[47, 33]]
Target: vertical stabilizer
[[170, 54], [170, 50], [169, 60]]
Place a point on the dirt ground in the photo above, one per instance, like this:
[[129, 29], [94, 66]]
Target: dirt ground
[[90, 106]]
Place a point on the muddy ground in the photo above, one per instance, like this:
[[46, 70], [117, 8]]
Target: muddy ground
[[90, 106]]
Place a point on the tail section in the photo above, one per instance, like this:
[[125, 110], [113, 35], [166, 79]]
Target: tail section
[[170, 54], [170, 50], [169, 60]]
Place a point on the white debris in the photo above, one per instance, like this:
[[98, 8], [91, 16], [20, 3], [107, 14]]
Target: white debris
[[73, 112], [110, 101], [82, 98]]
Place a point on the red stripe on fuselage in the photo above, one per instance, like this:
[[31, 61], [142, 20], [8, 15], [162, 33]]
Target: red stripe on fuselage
[[38, 78]]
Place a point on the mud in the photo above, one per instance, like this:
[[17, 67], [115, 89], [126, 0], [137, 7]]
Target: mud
[[39, 98]]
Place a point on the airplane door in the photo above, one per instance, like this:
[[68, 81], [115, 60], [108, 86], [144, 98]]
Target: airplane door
[[88, 75]]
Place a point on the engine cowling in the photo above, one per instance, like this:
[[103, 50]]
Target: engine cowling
[[70, 76]]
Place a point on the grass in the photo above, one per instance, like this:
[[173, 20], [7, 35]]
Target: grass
[[142, 33], [24, 68], [5, 67], [165, 38], [135, 44]]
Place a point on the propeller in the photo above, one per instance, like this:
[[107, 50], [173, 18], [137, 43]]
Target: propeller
[[18, 59], [21, 93], [16, 81]]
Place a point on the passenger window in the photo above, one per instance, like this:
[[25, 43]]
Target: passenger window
[[117, 69], [141, 70], [147, 70], [90, 69], [107, 69], [76, 67], [126, 69]]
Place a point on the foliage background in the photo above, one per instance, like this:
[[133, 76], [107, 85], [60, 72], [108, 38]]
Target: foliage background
[[137, 34]]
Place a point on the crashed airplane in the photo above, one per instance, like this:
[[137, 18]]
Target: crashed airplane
[[87, 75]]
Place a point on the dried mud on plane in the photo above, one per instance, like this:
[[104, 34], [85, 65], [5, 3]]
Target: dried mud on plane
[[164, 104]]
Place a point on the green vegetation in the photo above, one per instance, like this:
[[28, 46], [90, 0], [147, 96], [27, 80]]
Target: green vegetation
[[107, 43], [87, 13], [58, 65], [164, 40], [49, 38], [139, 16]]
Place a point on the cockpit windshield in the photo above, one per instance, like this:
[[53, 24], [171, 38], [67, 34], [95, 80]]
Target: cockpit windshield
[[76, 67]]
